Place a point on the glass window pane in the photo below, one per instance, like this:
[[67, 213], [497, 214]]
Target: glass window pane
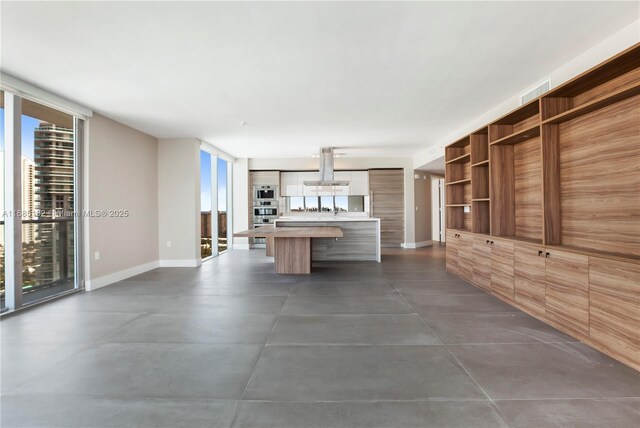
[[326, 203], [296, 203], [311, 203], [342, 203], [2, 291], [47, 168], [222, 205], [205, 205]]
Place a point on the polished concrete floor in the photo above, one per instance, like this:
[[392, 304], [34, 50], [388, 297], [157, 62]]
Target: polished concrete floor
[[396, 344]]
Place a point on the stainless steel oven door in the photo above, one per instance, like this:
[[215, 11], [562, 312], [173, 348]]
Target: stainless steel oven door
[[265, 192], [265, 212]]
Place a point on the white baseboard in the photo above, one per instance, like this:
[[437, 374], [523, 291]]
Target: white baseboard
[[241, 247], [94, 284], [417, 244], [181, 263]]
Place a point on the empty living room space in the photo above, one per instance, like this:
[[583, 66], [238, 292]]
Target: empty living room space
[[319, 214]]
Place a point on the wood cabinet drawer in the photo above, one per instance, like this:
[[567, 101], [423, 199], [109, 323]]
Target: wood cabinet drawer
[[502, 276], [465, 256], [614, 308], [567, 291], [451, 246], [482, 262], [529, 270]]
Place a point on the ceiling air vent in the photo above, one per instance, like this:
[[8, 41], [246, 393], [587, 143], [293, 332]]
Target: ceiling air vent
[[535, 92]]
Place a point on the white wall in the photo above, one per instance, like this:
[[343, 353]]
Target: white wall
[[344, 163], [609, 47], [179, 201], [240, 194], [121, 173]]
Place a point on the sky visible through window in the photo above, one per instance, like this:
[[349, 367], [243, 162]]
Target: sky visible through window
[[29, 124], [205, 182]]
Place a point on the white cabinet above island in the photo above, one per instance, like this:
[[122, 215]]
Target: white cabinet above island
[[292, 184]]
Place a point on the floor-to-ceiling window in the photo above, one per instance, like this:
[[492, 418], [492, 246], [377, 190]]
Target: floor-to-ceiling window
[[39, 227], [2, 201], [215, 204], [223, 219], [47, 162], [206, 199]]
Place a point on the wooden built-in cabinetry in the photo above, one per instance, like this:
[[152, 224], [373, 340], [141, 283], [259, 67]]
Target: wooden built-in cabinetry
[[545, 203], [386, 197]]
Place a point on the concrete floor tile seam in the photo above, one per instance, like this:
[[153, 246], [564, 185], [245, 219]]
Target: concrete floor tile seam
[[140, 316], [358, 315], [253, 370], [45, 372], [139, 342], [560, 399], [406, 302], [450, 348], [459, 363], [536, 342], [350, 344], [372, 401], [111, 396], [471, 313]]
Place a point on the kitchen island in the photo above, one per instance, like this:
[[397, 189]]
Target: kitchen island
[[360, 241], [292, 245]]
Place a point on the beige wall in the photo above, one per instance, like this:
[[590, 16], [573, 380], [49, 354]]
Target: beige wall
[[121, 174], [422, 192], [345, 163], [179, 201]]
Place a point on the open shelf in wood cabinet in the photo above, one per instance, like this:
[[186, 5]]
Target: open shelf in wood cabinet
[[484, 163], [481, 200], [458, 205], [513, 127], [465, 181], [461, 159], [621, 94], [518, 137]]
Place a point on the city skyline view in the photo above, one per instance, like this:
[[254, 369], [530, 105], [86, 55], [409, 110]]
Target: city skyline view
[[205, 182]]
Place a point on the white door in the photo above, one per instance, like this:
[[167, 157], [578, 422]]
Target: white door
[[437, 209]]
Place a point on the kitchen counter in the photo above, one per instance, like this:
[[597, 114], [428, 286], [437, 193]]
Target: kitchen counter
[[292, 251], [361, 240], [327, 218]]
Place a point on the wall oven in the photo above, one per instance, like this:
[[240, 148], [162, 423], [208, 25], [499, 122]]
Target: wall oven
[[265, 212], [263, 193], [265, 207]]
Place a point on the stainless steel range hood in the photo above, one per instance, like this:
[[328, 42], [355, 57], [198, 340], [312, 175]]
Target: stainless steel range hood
[[326, 170]]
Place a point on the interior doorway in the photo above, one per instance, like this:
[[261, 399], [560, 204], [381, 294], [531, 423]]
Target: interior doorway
[[437, 209]]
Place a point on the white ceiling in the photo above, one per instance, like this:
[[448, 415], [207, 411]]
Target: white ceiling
[[374, 79]]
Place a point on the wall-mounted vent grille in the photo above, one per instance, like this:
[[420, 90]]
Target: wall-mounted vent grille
[[535, 92]]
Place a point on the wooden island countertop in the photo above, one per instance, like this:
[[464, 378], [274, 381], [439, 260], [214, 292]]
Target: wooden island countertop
[[292, 245]]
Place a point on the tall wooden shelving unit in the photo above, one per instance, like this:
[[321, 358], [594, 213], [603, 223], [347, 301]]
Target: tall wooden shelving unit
[[543, 207], [458, 186]]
